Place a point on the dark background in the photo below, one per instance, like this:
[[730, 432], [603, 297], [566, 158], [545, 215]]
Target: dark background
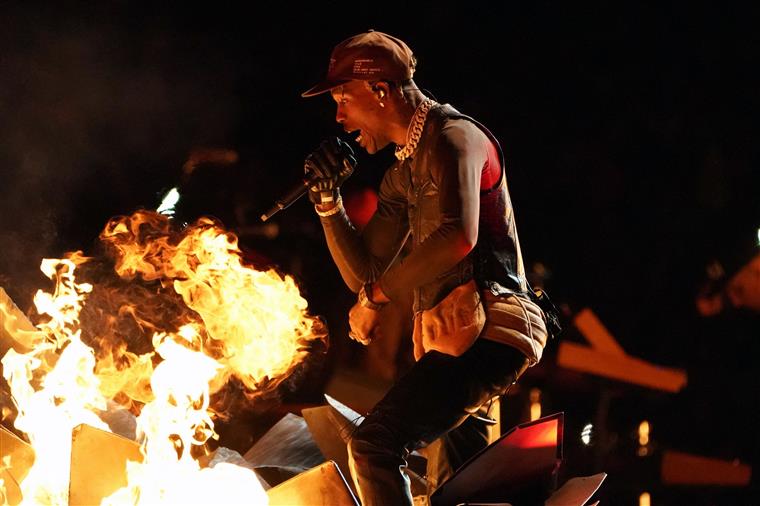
[[629, 128]]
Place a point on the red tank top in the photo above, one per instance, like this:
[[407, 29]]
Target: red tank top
[[491, 170]]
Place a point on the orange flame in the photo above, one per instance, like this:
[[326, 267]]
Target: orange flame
[[177, 418], [210, 318], [255, 320], [54, 386]]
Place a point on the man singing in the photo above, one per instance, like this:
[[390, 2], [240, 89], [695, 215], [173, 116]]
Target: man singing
[[476, 330]]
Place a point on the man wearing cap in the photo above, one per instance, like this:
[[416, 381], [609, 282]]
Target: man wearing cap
[[475, 329]]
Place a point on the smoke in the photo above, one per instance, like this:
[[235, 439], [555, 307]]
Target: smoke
[[98, 111]]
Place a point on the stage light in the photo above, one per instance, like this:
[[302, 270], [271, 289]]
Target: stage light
[[535, 404], [644, 431], [167, 204], [586, 434]]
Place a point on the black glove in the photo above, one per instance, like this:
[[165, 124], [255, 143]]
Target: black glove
[[329, 166]]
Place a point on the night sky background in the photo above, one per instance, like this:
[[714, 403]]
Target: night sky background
[[630, 132]]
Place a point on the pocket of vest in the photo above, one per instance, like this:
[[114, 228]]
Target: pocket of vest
[[452, 325]]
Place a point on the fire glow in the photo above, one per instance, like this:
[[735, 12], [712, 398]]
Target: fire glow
[[210, 320]]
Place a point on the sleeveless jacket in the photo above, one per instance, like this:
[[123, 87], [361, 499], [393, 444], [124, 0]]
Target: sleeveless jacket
[[495, 262], [413, 205]]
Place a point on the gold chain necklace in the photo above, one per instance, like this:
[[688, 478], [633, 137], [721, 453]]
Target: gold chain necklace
[[414, 132]]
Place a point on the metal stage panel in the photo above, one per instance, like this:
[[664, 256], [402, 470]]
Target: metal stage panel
[[98, 464], [323, 485], [16, 457], [519, 467]]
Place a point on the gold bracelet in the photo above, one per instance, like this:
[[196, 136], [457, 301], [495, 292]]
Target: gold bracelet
[[335, 210]]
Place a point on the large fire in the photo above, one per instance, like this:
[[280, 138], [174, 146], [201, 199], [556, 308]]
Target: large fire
[[182, 317]]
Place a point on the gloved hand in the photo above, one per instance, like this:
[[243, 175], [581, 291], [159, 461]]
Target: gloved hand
[[329, 165]]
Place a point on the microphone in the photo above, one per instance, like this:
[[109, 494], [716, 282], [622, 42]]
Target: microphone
[[295, 193], [338, 148]]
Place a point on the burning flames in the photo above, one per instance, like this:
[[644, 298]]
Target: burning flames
[[212, 320], [254, 319]]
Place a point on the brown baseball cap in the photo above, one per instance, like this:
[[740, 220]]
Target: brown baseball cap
[[368, 56]]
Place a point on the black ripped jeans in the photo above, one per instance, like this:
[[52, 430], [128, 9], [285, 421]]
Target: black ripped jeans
[[434, 399]]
